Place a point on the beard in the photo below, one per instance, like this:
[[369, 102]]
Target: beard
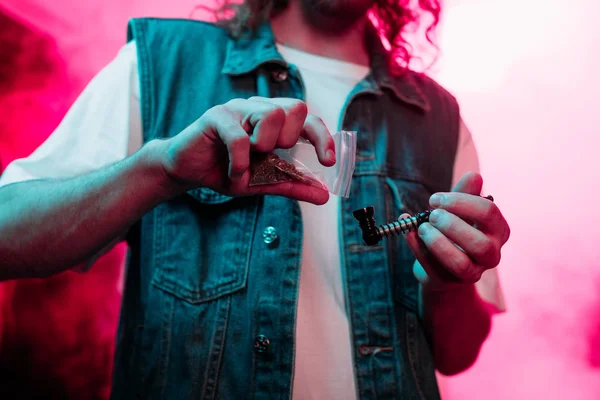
[[335, 15]]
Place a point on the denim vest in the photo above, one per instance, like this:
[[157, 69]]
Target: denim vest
[[210, 299]]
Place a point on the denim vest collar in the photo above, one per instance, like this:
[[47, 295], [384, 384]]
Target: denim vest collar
[[247, 54]]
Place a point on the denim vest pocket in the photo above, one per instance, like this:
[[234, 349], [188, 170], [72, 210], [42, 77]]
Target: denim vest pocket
[[203, 244]]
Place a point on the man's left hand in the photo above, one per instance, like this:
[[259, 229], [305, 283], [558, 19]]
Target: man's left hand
[[462, 239]]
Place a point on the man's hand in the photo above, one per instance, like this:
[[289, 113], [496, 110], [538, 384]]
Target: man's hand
[[214, 151], [463, 238]]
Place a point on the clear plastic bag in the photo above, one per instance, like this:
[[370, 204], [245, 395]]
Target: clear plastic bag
[[300, 163]]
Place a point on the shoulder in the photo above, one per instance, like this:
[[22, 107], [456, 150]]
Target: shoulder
[[168, 43], [167, 28], [433, 92]]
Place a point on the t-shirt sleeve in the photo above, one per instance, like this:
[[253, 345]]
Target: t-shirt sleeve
[[94, 133], [102, 127], [488, 287]]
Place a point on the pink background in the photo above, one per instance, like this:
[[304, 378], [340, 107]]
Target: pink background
[[525, 72]]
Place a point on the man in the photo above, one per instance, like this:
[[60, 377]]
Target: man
[[245, 292]]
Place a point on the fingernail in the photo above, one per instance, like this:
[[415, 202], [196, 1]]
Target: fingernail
[[423, 229], [330, 155], [434, 216], [435, 200]]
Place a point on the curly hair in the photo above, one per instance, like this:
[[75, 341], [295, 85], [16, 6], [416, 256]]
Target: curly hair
[[392, 18]]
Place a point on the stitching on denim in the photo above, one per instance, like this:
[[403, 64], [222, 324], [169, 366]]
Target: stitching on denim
[[214, 366], [193, 296], [145, 71], [394, 192], [410, 345], [165, 344], [359, 248], [364, 156]]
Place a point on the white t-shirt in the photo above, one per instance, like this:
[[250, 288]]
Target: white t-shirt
[[104, 126]]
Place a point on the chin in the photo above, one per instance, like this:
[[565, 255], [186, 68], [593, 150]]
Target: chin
[[336, 14]]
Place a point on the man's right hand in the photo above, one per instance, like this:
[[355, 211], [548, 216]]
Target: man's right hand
[[214, 151], [91, 210]]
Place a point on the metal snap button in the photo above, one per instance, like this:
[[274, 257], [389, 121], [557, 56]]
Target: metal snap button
[[261, 343], [280, 75], [270, 235]]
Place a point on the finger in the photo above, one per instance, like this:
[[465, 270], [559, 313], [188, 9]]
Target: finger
[[471, 183], [261, 119], [425, 259], [448, 255], [483, 213], [299, 123], [414, 243], [317, 133], [477, 245], [295, 116], [293, 190], [235, 138]]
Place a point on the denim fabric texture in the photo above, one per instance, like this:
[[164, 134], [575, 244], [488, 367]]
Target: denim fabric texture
[[204, 288]]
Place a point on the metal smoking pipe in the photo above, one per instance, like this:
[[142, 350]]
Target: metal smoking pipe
[[373, 234]]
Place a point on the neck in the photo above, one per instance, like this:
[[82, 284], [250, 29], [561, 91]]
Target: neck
[[292, 27]]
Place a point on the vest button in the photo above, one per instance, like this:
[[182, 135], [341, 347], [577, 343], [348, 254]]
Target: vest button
[[270, 235], [261, 344], [280, 75]]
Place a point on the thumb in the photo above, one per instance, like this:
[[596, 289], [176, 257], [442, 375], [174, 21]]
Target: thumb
[[415, 244], [470, 183], [430, 269]]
